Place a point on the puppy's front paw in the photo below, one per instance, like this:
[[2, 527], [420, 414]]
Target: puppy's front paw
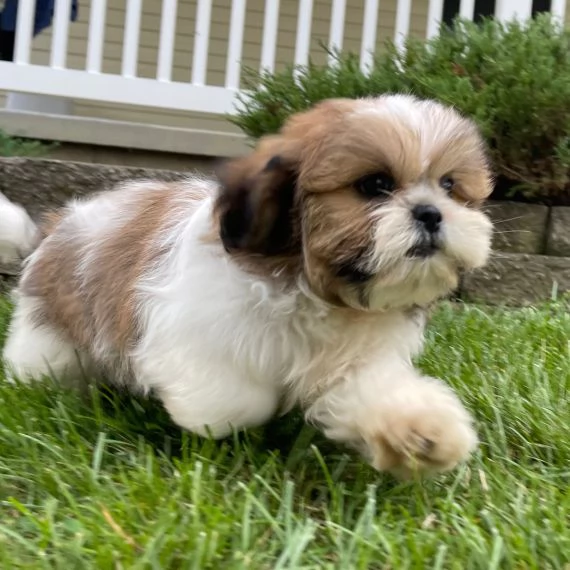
[[420, 429]]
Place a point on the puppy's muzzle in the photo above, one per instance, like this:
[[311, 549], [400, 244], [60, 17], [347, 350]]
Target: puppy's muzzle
[[428, 219]]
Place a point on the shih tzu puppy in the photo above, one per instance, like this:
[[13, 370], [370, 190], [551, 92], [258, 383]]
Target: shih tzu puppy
[[300, 276]]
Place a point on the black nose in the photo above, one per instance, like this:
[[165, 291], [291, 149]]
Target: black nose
[[429, 216]]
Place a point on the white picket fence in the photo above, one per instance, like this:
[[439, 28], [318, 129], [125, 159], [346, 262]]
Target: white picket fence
[[55, 79]]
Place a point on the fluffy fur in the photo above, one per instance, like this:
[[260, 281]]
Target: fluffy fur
[[300, 276], [18, 233]]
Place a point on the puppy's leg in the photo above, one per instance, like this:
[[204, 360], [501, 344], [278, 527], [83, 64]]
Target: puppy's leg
[[402, 422], [210, 399], [36, 350]]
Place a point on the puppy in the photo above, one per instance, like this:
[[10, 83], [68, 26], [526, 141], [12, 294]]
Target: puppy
[[300, 276]]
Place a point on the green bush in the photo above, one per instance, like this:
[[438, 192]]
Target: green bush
[[13, 146], [513, 79]]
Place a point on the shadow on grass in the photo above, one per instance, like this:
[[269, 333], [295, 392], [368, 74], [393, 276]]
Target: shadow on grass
[[292, 449]]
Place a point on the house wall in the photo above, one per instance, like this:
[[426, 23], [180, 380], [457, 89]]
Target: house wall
[[219, 31]]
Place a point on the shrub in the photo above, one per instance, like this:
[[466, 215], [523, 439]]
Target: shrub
[[512, 79], [13, 146]]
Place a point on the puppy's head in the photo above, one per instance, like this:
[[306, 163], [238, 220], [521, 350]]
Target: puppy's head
[[377, 199]]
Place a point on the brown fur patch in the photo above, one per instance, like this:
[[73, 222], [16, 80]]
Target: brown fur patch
[[120, 262], [52, 279], [337, 235], [97, 299], [49, 221]]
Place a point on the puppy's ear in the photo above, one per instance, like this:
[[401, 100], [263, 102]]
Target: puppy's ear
[[257, 201]]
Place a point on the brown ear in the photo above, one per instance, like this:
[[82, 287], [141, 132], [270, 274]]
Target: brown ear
[[257, 201]]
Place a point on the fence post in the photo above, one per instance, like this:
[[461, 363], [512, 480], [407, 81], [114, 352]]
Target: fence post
[[403, 15], [26, 102], [558, 9], [467, 9], [369, 29], [337, 29], [513, 10], [435, 16]]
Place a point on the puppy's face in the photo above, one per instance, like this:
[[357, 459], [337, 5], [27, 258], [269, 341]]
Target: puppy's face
[[376, 200]]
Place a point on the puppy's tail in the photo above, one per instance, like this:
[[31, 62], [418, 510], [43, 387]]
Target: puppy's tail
[[19, 235]]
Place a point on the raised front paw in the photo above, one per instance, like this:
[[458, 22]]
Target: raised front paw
[[422, 428]]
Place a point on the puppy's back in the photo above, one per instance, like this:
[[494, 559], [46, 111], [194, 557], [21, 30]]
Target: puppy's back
[[86, 270]]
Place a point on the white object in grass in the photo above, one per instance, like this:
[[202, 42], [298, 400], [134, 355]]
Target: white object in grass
[[18, 233]]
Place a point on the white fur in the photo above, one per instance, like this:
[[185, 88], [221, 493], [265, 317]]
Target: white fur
[[244, 344], [402, 281], [18, 234], [430, 121], [37, 351]]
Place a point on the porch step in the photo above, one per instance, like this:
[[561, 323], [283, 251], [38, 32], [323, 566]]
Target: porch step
[[518, 279], [111, 133]]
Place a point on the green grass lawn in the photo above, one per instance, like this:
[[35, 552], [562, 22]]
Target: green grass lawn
[[106, 481]]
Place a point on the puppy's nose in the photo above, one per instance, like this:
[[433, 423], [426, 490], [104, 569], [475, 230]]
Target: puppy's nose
[[429, 216]]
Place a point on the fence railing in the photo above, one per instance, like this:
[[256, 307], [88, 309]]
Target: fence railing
[[127, 87]]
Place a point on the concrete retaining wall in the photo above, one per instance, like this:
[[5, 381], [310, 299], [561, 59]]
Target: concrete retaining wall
[[531, 243], [531, 259]]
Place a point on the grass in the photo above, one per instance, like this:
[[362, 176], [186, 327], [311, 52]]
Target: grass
[[106, 481]]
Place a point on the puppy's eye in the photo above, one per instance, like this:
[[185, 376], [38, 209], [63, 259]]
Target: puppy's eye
[[447, 183], [379, 184]]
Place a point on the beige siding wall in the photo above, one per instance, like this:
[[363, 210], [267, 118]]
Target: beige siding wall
[[149, 39]]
